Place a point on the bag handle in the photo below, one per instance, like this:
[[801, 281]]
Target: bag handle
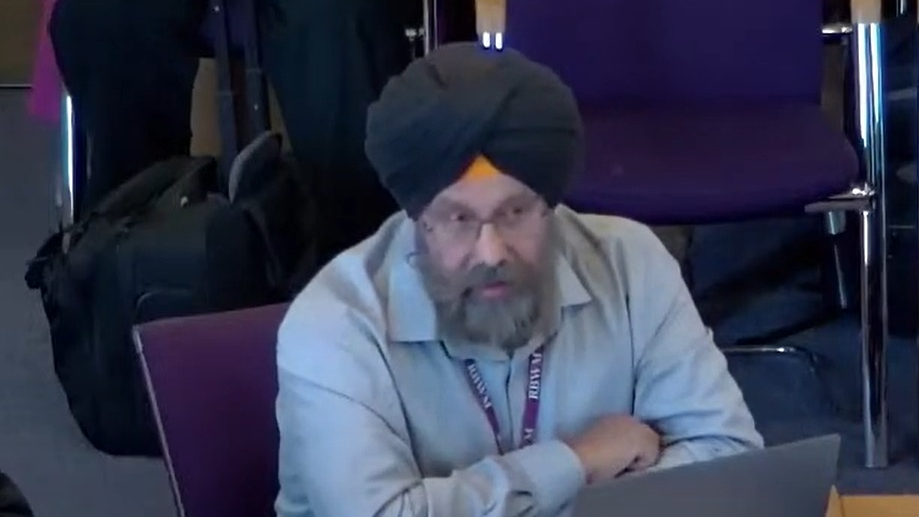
[[254, 165], [139, 191], [289, 252]]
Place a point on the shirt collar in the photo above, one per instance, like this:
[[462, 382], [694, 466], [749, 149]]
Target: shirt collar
[[411, 314]]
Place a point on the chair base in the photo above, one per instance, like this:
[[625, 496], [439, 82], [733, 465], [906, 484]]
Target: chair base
[[808, 357], [780, 334], [812, 360]]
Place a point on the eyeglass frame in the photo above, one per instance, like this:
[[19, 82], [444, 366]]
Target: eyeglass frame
[[470, 230]]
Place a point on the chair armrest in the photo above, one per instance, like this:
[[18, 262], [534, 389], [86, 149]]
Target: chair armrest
[[837, 32], [856, 199]]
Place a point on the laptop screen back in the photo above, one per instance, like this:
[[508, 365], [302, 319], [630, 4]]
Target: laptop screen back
[[790, 480]]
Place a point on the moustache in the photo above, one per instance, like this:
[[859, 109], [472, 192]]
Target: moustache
[[482, 275]]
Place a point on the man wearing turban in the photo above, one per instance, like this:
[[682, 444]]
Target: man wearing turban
[[489, 352]]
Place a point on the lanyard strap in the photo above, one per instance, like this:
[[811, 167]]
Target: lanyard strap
[[531, 406]]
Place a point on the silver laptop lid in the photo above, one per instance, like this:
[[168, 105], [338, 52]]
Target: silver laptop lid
[[790, 480]]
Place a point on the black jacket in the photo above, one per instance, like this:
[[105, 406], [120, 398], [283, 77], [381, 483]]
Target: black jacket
[[12, 502]]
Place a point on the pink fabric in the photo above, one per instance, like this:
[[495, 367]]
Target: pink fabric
[[45, 99]]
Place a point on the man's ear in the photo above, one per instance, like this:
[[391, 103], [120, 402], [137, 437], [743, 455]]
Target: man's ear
[[421, 229]]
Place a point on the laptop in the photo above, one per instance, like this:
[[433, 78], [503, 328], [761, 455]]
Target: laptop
[[790, 480]]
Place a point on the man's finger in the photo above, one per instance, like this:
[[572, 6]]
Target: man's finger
[[645, 459]]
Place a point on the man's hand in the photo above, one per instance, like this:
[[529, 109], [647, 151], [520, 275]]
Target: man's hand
[[615, 444]]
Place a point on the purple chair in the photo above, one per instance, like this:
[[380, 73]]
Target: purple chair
[[709, 111], [212, 380], [695, 112]]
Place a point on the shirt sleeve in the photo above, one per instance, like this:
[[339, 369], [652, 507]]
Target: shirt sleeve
[[345, 448], [683, 387]]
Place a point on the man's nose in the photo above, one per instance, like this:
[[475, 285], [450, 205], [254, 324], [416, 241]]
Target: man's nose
[[490, 246]]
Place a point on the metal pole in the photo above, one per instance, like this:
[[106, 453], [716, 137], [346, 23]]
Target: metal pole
[[431, 13], [73, 173], [915, 15], [867, 55]]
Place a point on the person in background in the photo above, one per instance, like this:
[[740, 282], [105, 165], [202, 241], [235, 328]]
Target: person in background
[[489, 351], [12, 502], [130, 67]]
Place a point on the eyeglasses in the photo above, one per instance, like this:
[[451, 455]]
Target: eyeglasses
[[462, 227]]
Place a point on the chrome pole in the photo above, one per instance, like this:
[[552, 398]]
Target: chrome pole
[[431, 11], [868, 54], [68, 159], [915, 14]]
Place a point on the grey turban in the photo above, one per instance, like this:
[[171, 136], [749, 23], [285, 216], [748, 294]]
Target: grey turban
[[461, 101]]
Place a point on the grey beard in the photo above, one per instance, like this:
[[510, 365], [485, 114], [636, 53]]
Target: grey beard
[[506, 324]]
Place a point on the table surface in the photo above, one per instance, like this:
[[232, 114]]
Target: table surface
[[873, 506]]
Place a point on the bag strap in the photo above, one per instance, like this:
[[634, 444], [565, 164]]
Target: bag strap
[[255, 88], [254, 165], [226, 109]]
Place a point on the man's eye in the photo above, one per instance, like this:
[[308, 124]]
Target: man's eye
[[513, 212], [459, 218]]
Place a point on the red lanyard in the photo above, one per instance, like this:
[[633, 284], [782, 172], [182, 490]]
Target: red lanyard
[[531, 407]]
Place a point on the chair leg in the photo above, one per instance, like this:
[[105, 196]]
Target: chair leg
[[75, 169], [867, 55], [835, 284], [873, 337], [68, 163], [432, 26]]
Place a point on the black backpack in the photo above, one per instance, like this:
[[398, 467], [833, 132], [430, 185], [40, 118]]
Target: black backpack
[[168, 243], [186, 236]]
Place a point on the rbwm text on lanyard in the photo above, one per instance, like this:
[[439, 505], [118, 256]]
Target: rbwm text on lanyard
[[532, 394]]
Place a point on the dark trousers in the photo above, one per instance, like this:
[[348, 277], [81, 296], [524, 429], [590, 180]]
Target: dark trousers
[[129, 67]]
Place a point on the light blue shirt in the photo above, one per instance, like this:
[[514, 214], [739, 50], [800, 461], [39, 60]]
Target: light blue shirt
[[377, 417]]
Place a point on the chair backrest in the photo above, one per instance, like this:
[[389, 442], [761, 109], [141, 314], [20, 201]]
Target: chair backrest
[[628, 51], [213, 383]]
